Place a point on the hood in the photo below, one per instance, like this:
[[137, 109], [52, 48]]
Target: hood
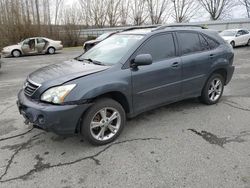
[[15, 46], [64, 72], [227, 38]]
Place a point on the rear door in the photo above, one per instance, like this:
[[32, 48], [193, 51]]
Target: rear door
[[159, 82], [196, 57], [40, 45], [242, 37]]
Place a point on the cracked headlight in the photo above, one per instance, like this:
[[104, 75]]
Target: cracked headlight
[[57, 94]]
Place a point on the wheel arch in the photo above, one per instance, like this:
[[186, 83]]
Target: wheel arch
[[21, 53], [222, 72], [117, 96]]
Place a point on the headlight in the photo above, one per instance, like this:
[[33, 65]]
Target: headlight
[[57, 94]]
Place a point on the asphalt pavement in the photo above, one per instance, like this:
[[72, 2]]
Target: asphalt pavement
[[186, 144]]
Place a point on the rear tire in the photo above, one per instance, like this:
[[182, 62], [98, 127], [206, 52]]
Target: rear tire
[[16, 53], [103, 122], [213, 89], [51, 50]]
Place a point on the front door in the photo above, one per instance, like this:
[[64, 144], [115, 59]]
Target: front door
[[159, 82], [28, 46]]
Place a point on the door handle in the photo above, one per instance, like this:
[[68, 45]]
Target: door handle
[[175, 65], [211, 55]]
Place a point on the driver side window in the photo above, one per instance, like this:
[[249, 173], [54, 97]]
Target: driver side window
[[26, 42], [160, 47], [240, 33]]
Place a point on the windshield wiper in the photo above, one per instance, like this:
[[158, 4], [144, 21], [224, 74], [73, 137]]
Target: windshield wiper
[[91, 61]]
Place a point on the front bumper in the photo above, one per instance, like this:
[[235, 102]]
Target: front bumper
[[60, 119], [6, 53]]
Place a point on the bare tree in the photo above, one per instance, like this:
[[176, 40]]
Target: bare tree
[[184, 10], [37, 13], [58, 5], [124, 12], [113, 12], [139, 15], [217, 8], [246, 3], [158, 10]]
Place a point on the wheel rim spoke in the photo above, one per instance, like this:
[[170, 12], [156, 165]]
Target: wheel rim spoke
[[112, 128], [95, 124], [113, 117], [101, 133], [103, 113]]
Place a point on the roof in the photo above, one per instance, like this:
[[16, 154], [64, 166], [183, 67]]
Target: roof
[[138, 31], [159, 29]]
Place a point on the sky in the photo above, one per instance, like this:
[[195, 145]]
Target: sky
[[237, 12]]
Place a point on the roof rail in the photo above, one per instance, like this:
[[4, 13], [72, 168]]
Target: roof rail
[[181, 25], [141, 27]]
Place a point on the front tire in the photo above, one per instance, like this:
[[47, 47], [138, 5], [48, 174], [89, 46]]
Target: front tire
[[16, 53], [232, 44], [213, 89], [248, 43], [103, 122]]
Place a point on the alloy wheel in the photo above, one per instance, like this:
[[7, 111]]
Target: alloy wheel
[[105, 124], [215, 89]]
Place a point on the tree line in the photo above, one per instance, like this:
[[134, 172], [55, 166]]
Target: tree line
[[59, 19]]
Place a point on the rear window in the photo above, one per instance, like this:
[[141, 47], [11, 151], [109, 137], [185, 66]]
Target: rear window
[[212, 43], [204, 44]]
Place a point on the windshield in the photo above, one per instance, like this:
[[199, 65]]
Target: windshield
[[103, 36], [228, 33], [111, 50]]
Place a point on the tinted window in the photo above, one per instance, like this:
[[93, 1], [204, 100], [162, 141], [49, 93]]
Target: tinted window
[[245, 32], [240, 32], [189, 42], [204, 44], [212, 43], [40, 40], [160, 47]]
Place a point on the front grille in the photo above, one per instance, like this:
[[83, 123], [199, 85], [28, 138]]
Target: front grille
[[30, 88]]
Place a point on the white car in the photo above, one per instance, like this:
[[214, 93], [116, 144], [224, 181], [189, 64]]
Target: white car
[[35, 45], [236, 37]]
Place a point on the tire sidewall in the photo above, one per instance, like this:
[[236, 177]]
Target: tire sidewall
[[88, 116], [205, 96], [232, 44], [13, 52], [50, 49]]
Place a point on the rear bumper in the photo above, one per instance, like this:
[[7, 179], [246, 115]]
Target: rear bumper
[[60, 119], [230, 71], [60, 47]]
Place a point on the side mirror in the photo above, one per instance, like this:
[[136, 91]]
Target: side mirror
[[141, 60], [237, 35]]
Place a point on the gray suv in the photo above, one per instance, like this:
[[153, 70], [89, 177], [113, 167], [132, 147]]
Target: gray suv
[[128, 73]]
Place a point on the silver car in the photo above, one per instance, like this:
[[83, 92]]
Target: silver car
[[31, 46]]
